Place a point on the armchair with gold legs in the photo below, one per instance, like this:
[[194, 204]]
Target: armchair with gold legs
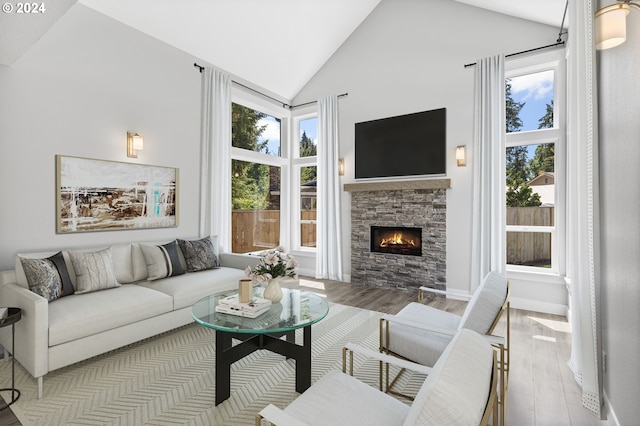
[[420, 333], [460, 389]]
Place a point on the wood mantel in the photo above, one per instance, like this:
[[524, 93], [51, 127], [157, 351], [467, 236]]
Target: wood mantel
[[398, 185]]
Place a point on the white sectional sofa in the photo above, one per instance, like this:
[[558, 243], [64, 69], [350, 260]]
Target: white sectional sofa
[[57, 333]]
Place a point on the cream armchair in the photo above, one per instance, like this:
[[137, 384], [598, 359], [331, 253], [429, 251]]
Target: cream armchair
[[420, 333], [460, 389]]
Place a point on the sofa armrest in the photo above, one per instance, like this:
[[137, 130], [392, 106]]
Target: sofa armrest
[[238, 261], [32, 331]]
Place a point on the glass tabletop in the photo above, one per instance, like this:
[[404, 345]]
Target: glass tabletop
[[297, 309]]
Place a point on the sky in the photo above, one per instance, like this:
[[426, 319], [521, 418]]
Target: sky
[[272, 131], [536, 91]]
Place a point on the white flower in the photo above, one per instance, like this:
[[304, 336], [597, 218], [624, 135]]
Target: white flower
[[274, 263], [263, 278], [271, 259]]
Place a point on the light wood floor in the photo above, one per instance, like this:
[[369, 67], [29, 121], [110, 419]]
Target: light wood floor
[[542, 391]]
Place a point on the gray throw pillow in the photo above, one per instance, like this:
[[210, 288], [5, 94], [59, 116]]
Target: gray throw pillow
[[94, 270], [162, 261], [200, 254]]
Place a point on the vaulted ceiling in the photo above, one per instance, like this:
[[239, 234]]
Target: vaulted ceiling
[[277, 45]]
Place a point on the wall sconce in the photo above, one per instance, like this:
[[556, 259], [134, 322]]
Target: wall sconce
[[135, 142], [341, 166], [611, 24], [461, 155]]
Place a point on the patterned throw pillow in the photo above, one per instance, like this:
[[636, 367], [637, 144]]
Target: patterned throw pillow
[[162, 261], [94, 270], [48, 277], [43, 278], [200, 254]]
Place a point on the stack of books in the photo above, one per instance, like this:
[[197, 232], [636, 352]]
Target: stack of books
[[231, 305]]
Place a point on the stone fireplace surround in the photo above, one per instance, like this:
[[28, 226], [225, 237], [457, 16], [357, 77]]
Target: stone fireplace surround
[[410, 203]]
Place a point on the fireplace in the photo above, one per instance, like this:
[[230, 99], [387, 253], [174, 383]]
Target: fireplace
[[396, 240]]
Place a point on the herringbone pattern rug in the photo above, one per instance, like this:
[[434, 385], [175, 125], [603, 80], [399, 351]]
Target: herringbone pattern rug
[[169, 379]]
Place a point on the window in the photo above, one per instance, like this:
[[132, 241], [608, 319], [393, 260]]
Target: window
[[257, 164], [255, 130], [534, 176], [305, 164]]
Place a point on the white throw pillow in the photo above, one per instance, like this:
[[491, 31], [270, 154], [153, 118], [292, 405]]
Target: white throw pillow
[[94, 270]]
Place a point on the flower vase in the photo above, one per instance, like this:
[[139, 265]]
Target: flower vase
[[273, 291]]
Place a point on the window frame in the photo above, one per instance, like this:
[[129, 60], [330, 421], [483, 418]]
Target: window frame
[[297, 163], [531, 64], [250, 100]]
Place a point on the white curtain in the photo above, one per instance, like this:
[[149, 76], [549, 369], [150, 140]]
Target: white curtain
[[215, 162], [582, 205], [328, 228], [488, 237]]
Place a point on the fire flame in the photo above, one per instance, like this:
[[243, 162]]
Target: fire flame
[[396, 240]]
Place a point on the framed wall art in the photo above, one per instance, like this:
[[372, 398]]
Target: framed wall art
[[100, 195]]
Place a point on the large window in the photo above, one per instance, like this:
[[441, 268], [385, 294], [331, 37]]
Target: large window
[[256, 181], [305, 165], [533, 173]]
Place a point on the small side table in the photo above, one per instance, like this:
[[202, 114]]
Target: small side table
[[12, 318]]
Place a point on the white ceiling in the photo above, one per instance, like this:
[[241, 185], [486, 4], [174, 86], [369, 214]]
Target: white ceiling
[[276, 44], [548, 12], [279, 54]]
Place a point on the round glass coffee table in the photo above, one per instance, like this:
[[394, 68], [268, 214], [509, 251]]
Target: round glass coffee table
[[297, 309]]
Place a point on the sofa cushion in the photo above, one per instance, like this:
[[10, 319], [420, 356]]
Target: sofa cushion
[[200, 254], [421, 346], [162, 260], [187, 289], [94, 270], [82, 315], [457, 390]]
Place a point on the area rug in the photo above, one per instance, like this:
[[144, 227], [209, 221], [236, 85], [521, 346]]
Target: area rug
[[170, 379]]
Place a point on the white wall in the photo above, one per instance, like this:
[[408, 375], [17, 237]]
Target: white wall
[[619, 127], [409, 56], [77, 92]]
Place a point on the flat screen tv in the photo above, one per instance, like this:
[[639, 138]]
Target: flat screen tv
[[406, 145]]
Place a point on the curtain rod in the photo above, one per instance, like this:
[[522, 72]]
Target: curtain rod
[[313, 102], [284, 105], [560, 43]]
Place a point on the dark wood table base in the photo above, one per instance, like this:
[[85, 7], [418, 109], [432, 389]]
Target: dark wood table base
[[227, 354]]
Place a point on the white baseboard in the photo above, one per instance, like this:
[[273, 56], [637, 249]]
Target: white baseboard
[[311, 274], [306, 272], [608, 411], [537, 306]]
